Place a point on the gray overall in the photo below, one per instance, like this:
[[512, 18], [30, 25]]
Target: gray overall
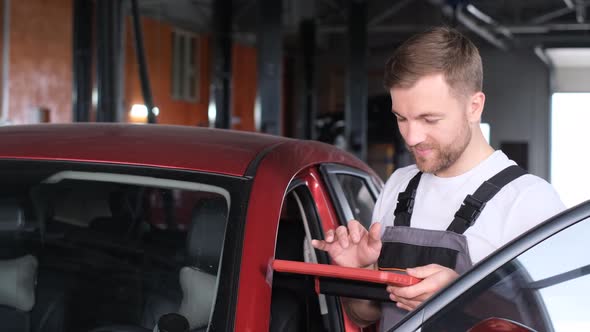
[[405, 246]]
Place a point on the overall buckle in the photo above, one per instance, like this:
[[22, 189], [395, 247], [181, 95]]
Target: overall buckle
[[405, 202], [470, 210]]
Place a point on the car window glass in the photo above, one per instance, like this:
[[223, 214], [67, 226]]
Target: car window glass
[[546, 288], [358, 196], [112, 253]]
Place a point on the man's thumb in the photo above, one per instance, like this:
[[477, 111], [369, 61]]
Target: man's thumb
[[424, 271]]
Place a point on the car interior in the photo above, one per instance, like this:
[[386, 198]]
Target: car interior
[[82, 255], [294, 305]]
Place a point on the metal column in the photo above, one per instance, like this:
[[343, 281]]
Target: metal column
[[108, 31], [82, 71], [270, 65], [308, 113], [356, 89], [222, 61]]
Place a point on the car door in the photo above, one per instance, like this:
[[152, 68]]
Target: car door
[[294, 305], [539, 282], [308, 211]]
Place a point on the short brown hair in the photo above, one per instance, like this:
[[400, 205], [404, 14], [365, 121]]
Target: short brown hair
[[438, 50]]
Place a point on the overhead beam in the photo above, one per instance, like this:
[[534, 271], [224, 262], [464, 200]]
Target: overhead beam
[[547, 28], [469, 23], [398, 28], [389, 12]]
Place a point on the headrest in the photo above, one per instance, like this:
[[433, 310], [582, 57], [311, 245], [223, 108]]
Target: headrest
[[17, 282], [206, 234], [79, 206], [198, 294], [12, 217]]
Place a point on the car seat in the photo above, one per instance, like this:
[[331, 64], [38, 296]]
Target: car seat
[[198, 276]]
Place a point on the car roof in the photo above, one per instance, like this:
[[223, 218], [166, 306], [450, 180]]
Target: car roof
[[220, 151]]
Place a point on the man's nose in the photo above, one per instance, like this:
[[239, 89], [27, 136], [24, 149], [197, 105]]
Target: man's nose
[[415, 134]]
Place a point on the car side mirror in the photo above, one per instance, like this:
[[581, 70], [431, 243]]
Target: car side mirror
[[495, 324], [172, 322]]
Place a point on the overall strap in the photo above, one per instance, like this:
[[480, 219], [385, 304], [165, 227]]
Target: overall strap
[[405, 202], [472, 206]]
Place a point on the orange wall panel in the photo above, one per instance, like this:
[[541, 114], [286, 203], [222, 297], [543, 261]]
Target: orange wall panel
[[244, 85], [158, 52], [40, 60]]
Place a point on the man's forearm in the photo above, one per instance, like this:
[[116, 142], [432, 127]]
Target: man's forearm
[[362, 312]]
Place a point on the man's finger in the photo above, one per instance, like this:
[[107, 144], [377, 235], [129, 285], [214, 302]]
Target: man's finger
[[342, 236], [408, 306], [375, 235], [355, 230], [330, 236], [321, 245], [410, 292]]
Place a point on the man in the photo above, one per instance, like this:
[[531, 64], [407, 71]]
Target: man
[[460, 201]]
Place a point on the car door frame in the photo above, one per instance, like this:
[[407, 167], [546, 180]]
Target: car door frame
[[330, 172], [505, 254]]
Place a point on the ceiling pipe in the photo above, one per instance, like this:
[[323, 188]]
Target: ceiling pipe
[[487, 19], [469, 23], [551, 15], [580, 11], [389, 12]]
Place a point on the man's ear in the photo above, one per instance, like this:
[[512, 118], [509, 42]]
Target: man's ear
[[476, 104]]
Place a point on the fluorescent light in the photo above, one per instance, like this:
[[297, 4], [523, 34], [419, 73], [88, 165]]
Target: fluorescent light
[[212, 112], [140, 111]]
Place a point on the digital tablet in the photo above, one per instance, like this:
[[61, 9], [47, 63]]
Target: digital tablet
[[391, 277]]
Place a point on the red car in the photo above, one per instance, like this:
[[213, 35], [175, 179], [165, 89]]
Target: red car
[[108, 227]]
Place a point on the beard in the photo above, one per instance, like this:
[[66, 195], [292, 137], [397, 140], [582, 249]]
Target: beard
[[442, 157]]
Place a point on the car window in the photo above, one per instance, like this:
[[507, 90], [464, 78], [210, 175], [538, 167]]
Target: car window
[[353, 192], [546, 289], [358, 196], [101, 249]]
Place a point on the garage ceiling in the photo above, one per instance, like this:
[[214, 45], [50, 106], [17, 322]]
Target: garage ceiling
[[506, 24]]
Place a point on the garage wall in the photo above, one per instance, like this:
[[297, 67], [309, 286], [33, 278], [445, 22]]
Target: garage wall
[[40, 60], [517, 88], [571, 79]]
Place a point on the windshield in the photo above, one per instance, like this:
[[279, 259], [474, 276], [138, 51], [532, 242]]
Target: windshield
[[110, 246]]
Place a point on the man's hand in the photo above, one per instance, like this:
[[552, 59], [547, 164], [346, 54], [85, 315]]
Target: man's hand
[[352, 246], [434, 278]]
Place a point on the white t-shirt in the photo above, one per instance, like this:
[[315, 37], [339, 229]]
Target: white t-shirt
[[517, 207]]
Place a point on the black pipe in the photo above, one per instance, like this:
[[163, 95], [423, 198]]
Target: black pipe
[[82, 47], [141, 62]]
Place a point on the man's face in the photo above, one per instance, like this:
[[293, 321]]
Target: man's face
[[433, 122]]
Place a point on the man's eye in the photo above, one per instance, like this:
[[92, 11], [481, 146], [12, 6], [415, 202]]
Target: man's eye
[[400, 119], [431, 121]]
